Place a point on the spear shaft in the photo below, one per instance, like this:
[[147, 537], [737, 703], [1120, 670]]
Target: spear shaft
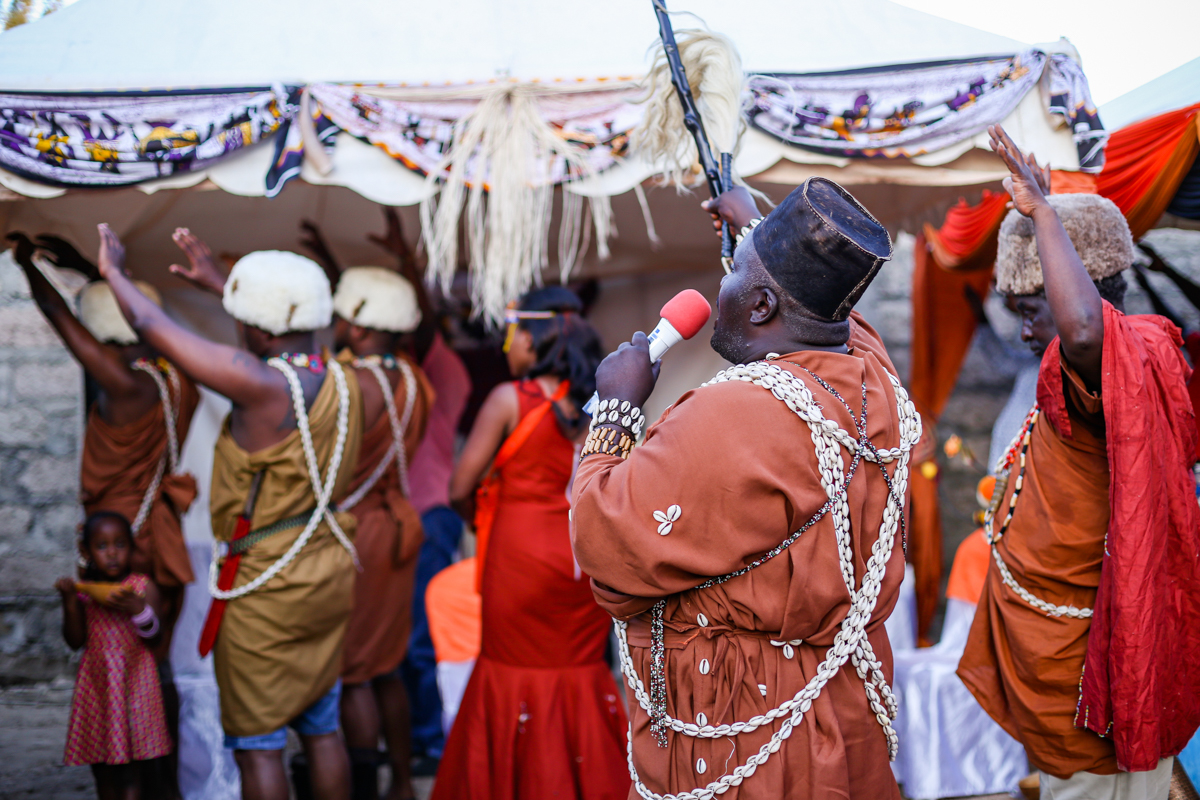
[[718, 179]]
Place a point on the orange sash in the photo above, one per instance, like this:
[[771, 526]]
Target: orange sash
[[487, 496]]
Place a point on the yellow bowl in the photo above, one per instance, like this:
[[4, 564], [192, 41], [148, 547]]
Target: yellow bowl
[[98, 591]]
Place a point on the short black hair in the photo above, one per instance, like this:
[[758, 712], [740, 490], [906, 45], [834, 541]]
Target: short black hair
[[566, 345], [93, 522]]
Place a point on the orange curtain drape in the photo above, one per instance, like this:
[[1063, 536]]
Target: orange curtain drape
[[943, 325], [1145, 163]]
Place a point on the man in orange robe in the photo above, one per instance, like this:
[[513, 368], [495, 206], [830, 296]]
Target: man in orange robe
[[745, 596], [135, 428], [374, 308], [1084, 645]]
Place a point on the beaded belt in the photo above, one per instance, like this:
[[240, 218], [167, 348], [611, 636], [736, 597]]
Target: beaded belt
[[239, 546]]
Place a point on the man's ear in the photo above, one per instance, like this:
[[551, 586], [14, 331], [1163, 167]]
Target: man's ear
[[765, 307]]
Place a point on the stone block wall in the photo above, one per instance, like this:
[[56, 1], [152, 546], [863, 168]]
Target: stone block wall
[[41, 413]]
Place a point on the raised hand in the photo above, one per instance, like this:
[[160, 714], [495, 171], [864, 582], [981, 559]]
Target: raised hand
[[202, 270], [735, 206], [393, 241], [63, 255], [314, 242], [23, 248], [1027, 184], [112, 253]]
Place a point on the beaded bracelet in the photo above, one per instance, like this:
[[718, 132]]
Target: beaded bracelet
[[620, 412], [609, 441]]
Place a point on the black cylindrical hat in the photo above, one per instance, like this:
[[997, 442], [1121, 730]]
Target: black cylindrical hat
[[822, 247]]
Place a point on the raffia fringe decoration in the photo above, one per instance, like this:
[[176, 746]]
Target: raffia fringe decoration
[[498, 174], [714, 70]]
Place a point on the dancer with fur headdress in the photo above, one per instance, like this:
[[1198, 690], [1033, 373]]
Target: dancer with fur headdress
[[1084, 645], [287, 451]]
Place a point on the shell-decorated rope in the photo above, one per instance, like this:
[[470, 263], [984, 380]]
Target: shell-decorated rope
[[851, 642], [170, 406], [397, 452], [1016, 455], [323, 492]]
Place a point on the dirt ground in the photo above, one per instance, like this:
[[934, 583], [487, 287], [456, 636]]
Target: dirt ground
[[33, 732]]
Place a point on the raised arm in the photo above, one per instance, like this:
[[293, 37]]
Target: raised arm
[[103, 362], [315, 243], [202, 270], [496, 419], [394, 242], [231, 371], [1074, 301]]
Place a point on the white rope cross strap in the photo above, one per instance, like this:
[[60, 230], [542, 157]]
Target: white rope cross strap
[[397, 452], [1016, 454], [851, 642], [170, 407], [323, 493]]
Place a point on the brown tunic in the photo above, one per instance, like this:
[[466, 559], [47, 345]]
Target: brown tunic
[[119, 463], [1023, 666], [741, 466], [388, 541], [280, 647]]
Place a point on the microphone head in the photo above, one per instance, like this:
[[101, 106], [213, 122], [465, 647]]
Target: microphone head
[[687, 312]]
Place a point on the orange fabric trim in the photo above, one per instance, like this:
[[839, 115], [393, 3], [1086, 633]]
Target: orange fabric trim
[[487, 496], [1145, 163], [967, 238], [1063, 182], [455, 614], [970, 568]]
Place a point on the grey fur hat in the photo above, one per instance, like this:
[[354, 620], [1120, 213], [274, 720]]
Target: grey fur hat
[[1097, 229]]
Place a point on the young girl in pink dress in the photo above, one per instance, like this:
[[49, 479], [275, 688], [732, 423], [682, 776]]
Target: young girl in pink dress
[[117, 717]]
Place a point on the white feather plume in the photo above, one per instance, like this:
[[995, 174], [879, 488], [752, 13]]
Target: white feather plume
[[714, 70]]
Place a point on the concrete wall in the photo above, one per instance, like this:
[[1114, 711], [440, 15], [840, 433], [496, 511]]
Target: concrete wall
[[41, 414]]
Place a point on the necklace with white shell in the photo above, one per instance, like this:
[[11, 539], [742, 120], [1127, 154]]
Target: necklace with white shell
[[851, 642]]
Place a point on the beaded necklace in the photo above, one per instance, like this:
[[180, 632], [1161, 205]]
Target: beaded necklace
[[1016, 454], [851, 642], [309, 361], [385, 360]]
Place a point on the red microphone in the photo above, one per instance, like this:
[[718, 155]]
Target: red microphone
[[682, 318]]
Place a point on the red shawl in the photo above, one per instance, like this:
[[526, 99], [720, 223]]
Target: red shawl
[[1141, 680]]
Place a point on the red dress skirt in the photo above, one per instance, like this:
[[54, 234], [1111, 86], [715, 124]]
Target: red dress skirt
[[541, 717]]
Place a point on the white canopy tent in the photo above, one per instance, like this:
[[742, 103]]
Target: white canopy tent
[[115, 45], [1175, 89]]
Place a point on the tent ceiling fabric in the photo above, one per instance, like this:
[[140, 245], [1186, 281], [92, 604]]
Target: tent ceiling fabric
[[1176, 89], [83, 47]]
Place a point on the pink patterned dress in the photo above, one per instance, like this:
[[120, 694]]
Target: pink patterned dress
[[117, 710]]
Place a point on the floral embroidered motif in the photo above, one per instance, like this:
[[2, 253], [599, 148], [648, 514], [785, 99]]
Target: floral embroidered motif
[[667, 520]]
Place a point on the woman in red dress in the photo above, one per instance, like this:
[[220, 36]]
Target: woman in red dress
[[541, 717]]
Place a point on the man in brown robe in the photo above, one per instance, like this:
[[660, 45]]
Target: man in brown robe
[[286, 452], [1083, 644], [745, 596], [374, 307], [135, 427]]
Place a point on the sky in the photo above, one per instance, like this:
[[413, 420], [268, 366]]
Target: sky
[[1122, 44]]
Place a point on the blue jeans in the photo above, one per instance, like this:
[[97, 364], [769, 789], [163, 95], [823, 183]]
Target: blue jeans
[[443, 530], [318, 719]]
